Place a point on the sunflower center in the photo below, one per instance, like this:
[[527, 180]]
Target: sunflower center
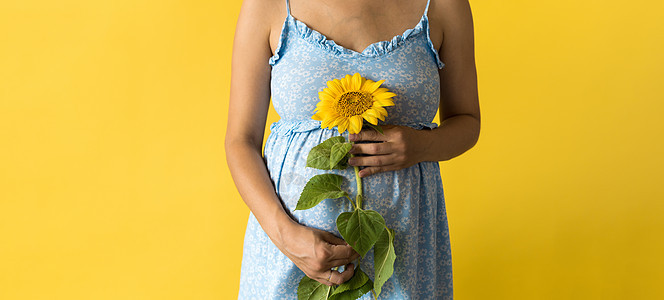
[[353, 103]]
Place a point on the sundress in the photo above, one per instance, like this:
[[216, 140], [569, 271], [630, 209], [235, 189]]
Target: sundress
[[411, 200]]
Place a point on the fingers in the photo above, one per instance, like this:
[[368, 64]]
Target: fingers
[[336, 278], [342, 255], [331, 238], [367, 135], [337, 252], [373, 170], [372, 161], [371, 148]]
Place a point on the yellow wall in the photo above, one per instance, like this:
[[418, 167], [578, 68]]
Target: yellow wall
[[113, 182]]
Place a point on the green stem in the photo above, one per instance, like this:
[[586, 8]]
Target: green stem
[[373, 292], [358, 180], [329, 288], [359, 188], [351, 202]]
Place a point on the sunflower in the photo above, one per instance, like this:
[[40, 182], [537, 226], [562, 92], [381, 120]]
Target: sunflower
[[346, 101]]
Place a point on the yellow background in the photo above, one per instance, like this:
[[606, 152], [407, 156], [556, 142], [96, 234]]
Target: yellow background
[[113, 182]]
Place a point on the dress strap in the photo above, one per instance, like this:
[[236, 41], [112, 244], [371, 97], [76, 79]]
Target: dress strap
[[288, 7], [426, 10]]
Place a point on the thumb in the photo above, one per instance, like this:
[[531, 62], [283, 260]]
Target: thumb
[[332, 239]]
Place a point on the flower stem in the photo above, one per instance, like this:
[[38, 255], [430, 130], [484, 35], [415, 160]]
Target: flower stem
[[359, 188], [358, 180]]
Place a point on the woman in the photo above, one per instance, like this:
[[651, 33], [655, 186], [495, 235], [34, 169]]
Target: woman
[[288, 51]]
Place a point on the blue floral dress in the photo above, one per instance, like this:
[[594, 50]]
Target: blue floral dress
[[410, 199]]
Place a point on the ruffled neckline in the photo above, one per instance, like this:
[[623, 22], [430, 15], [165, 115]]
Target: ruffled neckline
[[373, 50]]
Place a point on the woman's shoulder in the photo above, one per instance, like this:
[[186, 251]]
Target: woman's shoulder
[[446, 16], [266, 16]]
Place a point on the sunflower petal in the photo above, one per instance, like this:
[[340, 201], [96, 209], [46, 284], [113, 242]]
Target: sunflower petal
[[355, 124], [372, 88], [346, 81], [380, 111], [372, 113], [384, 102], [356, 82], [371, 119], [335, 86], [379, 91], [343, 125], [335, 120], [384, 95], [325, 96], [366, 83], [331, 92], [327, 123]]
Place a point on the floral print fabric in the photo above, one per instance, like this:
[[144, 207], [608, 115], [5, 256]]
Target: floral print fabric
[[410, 199]]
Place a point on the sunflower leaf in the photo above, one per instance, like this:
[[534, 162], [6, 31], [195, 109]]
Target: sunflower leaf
[[360, 229], [321, 156], [338, 153], [384, 258], [319, 188], [376, 127], [354, 288], [310, 289]]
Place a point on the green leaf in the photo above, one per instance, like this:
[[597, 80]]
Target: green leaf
[[360, 229], [320, 157], [354, 288], [319, 188], [357, 281], [376, 127], [338, 153], [310, 289], [384, 258]]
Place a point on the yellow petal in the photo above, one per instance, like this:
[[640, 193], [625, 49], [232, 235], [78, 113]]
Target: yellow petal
[[325, 96], [317, 117], [346, 81], [335, 86], [380, 110], [355, 124], [384, 102], [332, 93], [379, 91], [372, 113], [325, 104], [335, 121], [373, 87], [371, 119], [343, 125], [366, 83], [356, 82], [384, 95], [327, 123]]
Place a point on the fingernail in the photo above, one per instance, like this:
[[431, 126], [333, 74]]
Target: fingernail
[[351, 161], [352, 137]]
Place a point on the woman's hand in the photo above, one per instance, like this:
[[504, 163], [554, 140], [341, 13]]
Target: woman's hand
[[316, 252], [400, 147]]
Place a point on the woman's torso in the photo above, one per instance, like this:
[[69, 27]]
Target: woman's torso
[[368, 20], [410, 199], [305, 59]]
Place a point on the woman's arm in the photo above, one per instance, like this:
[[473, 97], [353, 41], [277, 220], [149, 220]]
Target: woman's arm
[[459, 104], [314, 251]]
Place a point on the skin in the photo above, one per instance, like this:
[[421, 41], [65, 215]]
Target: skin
[[258, 29]]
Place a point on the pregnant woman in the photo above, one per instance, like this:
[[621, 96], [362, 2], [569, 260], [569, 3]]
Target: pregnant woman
[[289, 50]]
